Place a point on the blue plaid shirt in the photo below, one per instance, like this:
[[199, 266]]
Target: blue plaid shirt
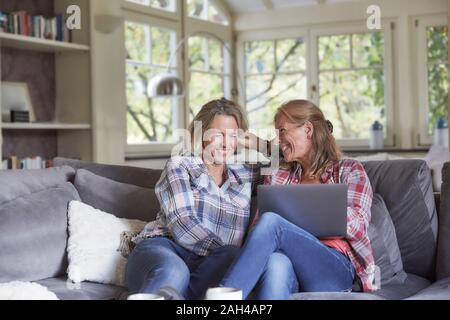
[[197, 213]]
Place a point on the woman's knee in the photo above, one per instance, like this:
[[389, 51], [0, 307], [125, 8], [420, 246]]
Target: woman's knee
[[155, 262], [280, 266], [269, 220]]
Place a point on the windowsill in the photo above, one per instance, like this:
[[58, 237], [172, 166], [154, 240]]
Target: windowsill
[[385, 150], [147, 157]]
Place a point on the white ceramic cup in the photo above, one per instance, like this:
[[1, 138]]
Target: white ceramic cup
[[223, 294], [145, 296]]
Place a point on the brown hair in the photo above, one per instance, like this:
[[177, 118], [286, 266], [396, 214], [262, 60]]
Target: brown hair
[[207, 114], [325, 149]]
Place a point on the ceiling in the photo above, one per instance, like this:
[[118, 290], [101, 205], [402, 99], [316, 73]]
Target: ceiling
[[245, 6]]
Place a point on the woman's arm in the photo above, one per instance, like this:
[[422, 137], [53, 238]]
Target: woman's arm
[[359, 202], [175, 195]]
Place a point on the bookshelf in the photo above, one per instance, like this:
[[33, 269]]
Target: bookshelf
[[45, 126], [64, 109], [37, 44]]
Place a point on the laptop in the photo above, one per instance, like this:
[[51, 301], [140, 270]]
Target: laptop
[[320, 209]]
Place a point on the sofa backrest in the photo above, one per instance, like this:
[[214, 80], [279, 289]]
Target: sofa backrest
[[140, 177], [443, 258], [33, 223], [127, 192], [406, 187]]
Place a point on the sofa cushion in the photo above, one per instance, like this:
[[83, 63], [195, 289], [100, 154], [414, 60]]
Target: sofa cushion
[[439, 290], [443, 256], [65, 290], [33, 234], [400, 291], [141, 177], [406, 188], [16, 183], [334, 296], [411, 286], [384, 244], [121, 199]]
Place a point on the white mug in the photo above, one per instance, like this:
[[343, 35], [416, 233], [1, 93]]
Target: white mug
[[223, 294], [145, 296]]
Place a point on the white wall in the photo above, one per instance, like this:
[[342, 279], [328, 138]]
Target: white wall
[[403, 14]]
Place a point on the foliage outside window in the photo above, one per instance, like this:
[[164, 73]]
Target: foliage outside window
[[158, 4], [352, 82], [275, 71], [148, 52], [438, 74], [208, 76], [202, 9]]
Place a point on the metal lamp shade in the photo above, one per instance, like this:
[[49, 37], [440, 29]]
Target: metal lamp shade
[[165, 85]]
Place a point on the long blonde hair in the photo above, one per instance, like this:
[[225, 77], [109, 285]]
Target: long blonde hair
[[325, 149]]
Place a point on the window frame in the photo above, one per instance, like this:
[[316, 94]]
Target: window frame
[[311, 35], [271, 35], [183, 26], [421, 25], [156, 148], [224, 32], [348, 29]]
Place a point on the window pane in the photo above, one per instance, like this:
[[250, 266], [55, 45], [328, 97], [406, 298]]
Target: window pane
[[197, 9], [368, 49], [334, 52], [148, 120], [353, 100], [161, 46], [137, 39], [259, 56], [215, 16], [438, 83], [204, 87], [438, 75], [216, 56], [197, 53], [291, 55], [158, 4], [265, 93], [437, 43], [205, 10]]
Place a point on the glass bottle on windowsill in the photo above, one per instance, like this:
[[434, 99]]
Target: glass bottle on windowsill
[[441, 133], [376, 137]]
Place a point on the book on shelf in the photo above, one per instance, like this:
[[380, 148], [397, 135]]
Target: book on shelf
[[21, 23], [29, 163]]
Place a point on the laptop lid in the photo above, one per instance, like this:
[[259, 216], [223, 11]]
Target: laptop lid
[[320, 209]]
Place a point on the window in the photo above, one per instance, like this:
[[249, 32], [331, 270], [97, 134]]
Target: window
[[351, 81], [433, 74], [148, 51], [437, 65], [168, 5], [208, 72], [275, 71], [204, 10]]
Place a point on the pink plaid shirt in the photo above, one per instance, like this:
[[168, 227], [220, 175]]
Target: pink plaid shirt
[[359, 201]]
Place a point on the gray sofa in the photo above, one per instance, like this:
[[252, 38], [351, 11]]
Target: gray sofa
[[33, 223]]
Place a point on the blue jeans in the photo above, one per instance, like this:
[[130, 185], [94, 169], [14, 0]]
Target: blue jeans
[[278, 281], [317, 267], [160, 262]]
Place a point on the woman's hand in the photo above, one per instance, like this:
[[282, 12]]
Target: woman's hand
[[251, 141]]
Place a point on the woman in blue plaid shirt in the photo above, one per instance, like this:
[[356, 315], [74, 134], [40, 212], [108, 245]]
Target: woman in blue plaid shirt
[[205, 213]]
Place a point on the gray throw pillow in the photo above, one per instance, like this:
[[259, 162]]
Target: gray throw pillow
[[120, 199], [17, 183], [33, 234], [384, 244]]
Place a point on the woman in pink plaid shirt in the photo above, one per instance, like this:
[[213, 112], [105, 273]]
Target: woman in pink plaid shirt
[[311, 156]]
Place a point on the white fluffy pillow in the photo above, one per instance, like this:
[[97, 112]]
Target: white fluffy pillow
[[19, 290], [94, 242]]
